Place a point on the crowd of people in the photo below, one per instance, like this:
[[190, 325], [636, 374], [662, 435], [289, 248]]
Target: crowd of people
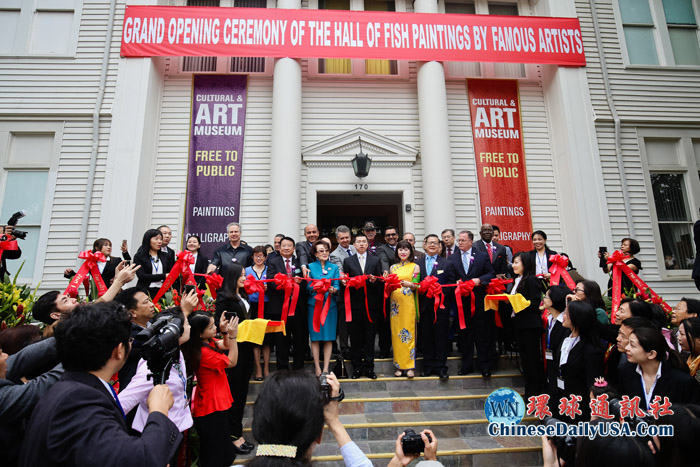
[[360, 298]]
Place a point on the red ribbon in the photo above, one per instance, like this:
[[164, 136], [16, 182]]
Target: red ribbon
[[617, 259], [356, 282], [391, 283], [497, 286], [89, 266], [8, 245], [465, 288], [253, 285], [181, 267], [291, 288], [214, 281], [431, 288], [321, 287], [558, 270]]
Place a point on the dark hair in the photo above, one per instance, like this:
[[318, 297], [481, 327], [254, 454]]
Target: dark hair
[[161, 226], [612, 450], [658, 315], [594, 297], [495, 227], [289, 239], [127, 297], [288, 411], [431, 235], [199, 240], [230, 288], [608, 389], [690, 325], [679, 450], [634, 245], [86, 338], [404, 244], [99, 243], [540, 233], [653, 339], [557, 294], [44, 306], [640, 308], [279, 236], [268, 246], [315, 246], [469, 233], [261, 249], [145, 247], [391, 227], [192, 349], [448, 230], [12, 340], [360, 234], [528, 264], [583, 319], [693, 305], [638, 322]]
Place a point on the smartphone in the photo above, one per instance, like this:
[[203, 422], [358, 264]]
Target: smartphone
[[230, 315], [189, 288], [603, 261]]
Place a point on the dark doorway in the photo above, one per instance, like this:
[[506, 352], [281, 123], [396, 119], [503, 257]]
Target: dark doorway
[[354, 209]]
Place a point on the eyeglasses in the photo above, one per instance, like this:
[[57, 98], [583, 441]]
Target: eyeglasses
[[577, 290], [391, 235], [432, 243]]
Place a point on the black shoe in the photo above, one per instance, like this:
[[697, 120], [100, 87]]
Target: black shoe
[[466, 371], [371, 374], [486, 373], [426, 372], [248, 445], [241, 450], [442, 374], [356, 374]]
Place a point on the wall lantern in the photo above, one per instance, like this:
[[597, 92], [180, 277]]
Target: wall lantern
[[361, 163]]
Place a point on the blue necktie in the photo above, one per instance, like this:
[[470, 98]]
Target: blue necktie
[[429, 264], [116, 399], [465, 261]]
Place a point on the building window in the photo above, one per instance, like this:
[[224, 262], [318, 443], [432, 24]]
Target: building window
[[39, 27], [672, 164], [660, 32]]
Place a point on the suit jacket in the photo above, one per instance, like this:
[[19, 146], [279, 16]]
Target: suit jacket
[[373, 247], [556, 337], [200, 267], [441, 270], [480, 268], [387, 255], [275, 265], [78, 423], [170, 252], [303, 251], [351, 267], [339, 255], [583, 365], [677, 385], [500, 257], [145, 274], [530, 317], [547, 251]]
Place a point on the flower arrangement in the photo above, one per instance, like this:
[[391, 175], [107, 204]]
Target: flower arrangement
[[16, 302]]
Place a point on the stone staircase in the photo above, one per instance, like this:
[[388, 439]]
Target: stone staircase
[[375, 411]]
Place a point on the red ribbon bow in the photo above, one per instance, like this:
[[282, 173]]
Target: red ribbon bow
[[391, 283], [291, 288], [463, 289], [321, 287], [214, 281], [431, 288], [357, 282], [558, 270], [89, 266], [497, 286], [181, 267], [617, 259], [253, 285]]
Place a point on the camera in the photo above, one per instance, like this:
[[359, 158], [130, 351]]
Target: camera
[[160, 347], [325, 388], [21, 234], [566, 445], [412, 443]]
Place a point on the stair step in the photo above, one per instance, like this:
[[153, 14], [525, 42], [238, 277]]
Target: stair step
[[388, 382]]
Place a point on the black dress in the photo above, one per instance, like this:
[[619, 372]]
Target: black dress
[[626, 282]]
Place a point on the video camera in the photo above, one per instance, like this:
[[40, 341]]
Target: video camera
[[160, 347], [20, 234]]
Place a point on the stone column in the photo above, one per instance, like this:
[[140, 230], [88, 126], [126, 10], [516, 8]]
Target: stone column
[[285, 148], [435, 152]]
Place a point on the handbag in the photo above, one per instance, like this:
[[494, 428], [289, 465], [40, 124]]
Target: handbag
[[340, 370]]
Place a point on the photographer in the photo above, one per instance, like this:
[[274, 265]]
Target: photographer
[[429, 441], [8, 231], [79, 421], [288, 418], [17, 400]]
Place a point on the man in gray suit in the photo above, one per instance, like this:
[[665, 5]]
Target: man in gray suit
[[344, 250]]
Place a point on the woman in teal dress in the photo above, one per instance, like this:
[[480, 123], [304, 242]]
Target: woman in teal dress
[[322, 268]]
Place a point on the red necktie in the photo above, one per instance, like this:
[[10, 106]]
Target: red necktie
[[289, 268], [488, 248]]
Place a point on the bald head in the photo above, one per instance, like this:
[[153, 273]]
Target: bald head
[[311, 233], [486, 233]]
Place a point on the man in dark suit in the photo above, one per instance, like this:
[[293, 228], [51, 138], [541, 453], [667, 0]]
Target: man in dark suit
[[361, 329], [470, 264], [167, 236], [79, 421], [387, 255], [433, 330], [287, 263], [303, 248], [344, 250], [448, 238], [410, 238]]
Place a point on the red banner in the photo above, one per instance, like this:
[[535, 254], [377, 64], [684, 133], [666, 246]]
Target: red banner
[[269, 32], [500, 159]]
